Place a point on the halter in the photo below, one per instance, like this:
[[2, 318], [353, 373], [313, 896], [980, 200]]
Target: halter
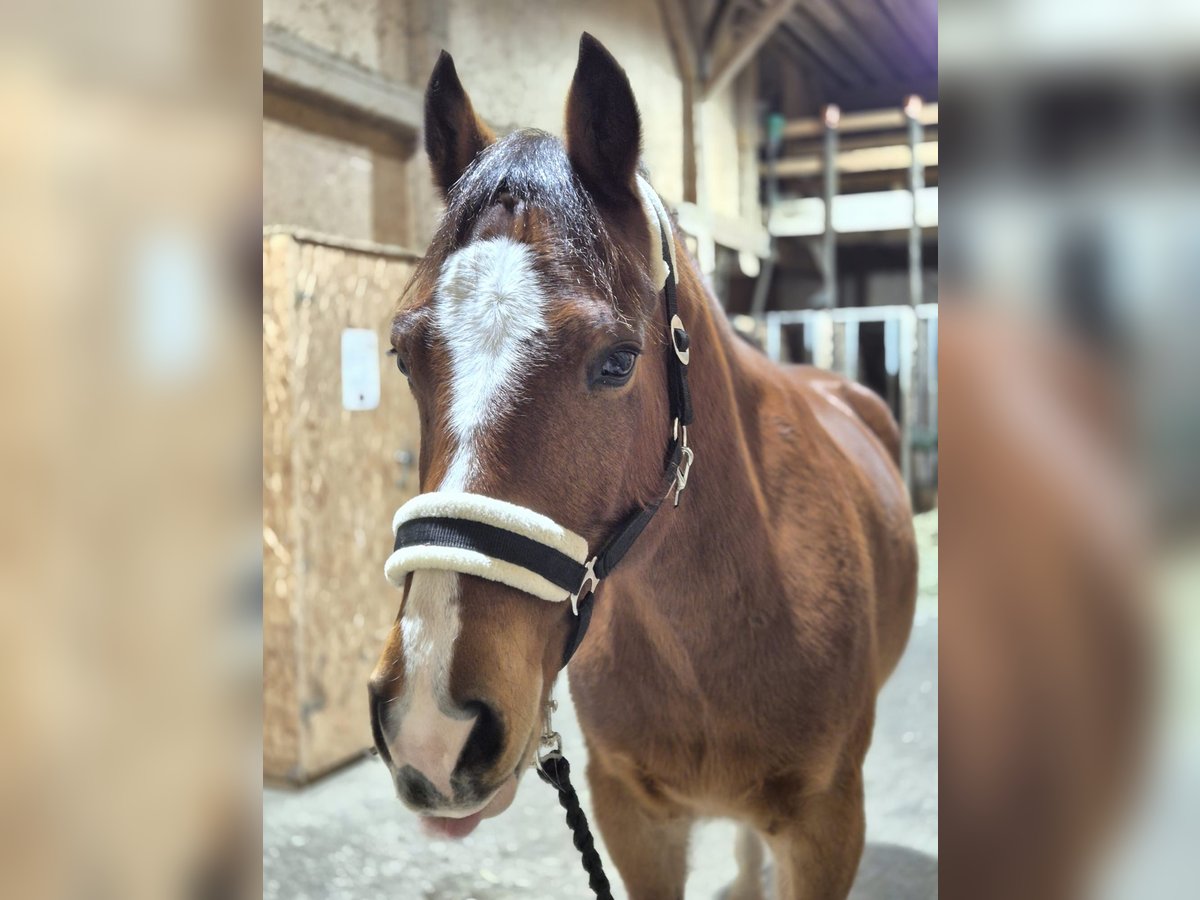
[[478, 535]]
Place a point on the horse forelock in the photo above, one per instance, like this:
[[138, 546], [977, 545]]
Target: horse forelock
[[578, 249]]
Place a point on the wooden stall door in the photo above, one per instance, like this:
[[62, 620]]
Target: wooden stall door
[[332, 479]]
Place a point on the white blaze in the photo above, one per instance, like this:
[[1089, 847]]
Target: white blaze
[[489, 305], [428, 739]]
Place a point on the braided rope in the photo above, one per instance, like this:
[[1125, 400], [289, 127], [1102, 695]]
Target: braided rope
[[556, 772]]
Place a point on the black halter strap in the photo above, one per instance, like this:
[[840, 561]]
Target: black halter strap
[[678, 459], [553, 766]]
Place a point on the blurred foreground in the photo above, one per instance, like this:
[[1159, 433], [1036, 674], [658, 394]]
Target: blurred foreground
[[1070, 448], [129, 569]]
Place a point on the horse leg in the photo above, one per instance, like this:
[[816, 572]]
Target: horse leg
[[649, 850], [818, 851], [748, 850]]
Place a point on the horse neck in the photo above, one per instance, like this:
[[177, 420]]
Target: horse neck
[[721, 386], [721, 504]]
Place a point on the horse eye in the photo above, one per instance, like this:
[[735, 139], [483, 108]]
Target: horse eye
[[618, 367], [401, 363]]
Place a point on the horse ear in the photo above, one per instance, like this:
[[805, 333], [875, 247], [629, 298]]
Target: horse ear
[[604, 131], [454, 134]]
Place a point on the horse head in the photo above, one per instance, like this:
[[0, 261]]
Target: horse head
[[534, 345]]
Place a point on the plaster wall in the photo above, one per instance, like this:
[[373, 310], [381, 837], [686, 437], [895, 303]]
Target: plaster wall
[[515, 58]]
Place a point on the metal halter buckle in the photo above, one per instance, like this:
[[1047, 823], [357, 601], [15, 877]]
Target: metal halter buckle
[[590, 581], [685, 464], [683, 353]]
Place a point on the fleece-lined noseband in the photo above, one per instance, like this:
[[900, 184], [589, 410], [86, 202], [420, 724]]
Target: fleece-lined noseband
[[477, 535]]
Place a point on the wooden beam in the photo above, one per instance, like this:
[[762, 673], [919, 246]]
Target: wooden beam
[[718, 24], [856, 182], [747, 45], [871, 159], [292, 65], [867, 120], [878, 96], [810, 34], [855, 213], [807, 60], [841, 31], [737, 234], [804, 146], [682, 38], [718, 31]]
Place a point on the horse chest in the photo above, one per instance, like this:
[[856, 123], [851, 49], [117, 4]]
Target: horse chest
[[696, 729]]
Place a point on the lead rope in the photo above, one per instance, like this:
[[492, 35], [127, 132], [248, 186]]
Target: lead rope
[[553, 768], [556, 772]]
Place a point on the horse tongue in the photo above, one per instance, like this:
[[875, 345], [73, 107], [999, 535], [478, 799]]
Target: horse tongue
[[456, 829]]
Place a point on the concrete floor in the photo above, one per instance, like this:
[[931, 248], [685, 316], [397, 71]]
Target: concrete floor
[[348, 838]]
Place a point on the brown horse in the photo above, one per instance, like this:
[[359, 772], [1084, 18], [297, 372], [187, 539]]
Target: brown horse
[[733, 661]]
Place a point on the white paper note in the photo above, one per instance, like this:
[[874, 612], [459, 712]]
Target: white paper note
[[360, 369]]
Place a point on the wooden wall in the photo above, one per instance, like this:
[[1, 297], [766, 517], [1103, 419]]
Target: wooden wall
[[331, 481]]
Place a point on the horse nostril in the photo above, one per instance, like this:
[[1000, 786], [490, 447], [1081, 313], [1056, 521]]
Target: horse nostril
[[378, 705], [485, 741], [417, 789]]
